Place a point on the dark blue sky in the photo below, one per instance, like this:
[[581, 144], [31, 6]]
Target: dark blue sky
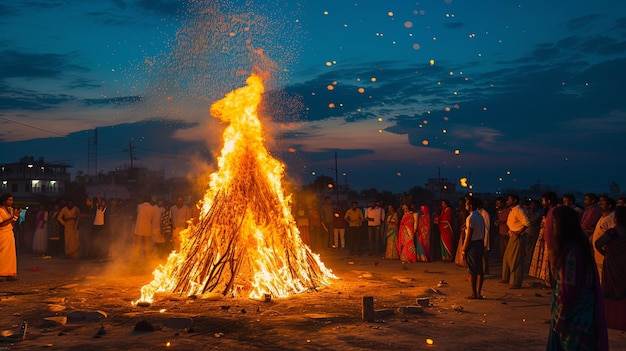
[[513, 93]]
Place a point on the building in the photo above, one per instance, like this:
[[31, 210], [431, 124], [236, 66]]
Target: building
[[33, 181]]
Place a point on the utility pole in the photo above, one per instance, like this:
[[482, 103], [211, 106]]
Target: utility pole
[[336, 179], [130, 151], [439, 180], [95, 142]]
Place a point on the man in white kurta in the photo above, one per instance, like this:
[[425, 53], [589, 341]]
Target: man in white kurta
[[180, 215], [143, 228]]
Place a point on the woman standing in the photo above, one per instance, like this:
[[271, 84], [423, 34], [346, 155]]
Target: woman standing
[[423, 230], [391, 233], [406, 238], [612, 245], [444, 222], [8, 255], [578, 321], [55, 232], [68, 217], [40, 240]]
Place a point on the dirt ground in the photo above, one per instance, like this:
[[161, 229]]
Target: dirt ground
[[329, 319]]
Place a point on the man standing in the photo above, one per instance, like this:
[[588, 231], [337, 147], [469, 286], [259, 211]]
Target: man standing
[[180, 215], [100, 230], [374, 216], [327, 222], [478, 207], [339, 228], [474, 246], [143, 228], [518, 222], [607, 221], [591, 215], [354, 217]]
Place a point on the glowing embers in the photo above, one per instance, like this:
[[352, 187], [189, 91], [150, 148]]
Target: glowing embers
[[246, 239]]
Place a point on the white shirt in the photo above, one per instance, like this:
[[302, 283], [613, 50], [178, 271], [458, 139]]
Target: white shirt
[[376, 214], [517, 219], [180, 216], [476, 222]]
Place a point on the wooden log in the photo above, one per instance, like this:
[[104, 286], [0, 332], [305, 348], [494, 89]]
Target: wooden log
[[369, 315]]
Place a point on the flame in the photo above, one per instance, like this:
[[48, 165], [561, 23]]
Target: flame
[[246, 237]]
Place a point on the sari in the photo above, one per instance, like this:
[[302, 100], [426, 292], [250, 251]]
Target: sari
[[578, 321], [406, 238], [40, 240], [423, 235], [539, 267], [445, 231], [8, 256], [614, 278], [391, 234]]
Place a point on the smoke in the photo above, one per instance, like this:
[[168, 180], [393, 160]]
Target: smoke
[[215, 48]]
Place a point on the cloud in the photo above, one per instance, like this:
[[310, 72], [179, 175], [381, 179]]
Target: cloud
[[14, 64], [164, 7], [582, 23], [121, 101]]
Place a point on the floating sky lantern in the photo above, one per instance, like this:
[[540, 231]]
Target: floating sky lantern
[[463, 182]]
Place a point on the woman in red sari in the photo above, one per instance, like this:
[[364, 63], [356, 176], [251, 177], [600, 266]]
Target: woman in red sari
[[423, 230], [444, 221], [406, 236]]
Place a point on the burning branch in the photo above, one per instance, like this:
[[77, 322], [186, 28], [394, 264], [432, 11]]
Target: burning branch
[[246, 235]]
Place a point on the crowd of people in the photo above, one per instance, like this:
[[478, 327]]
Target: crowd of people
[[577, 251], [97, 229]]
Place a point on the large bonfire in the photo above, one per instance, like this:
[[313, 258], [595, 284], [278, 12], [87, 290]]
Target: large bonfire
[[245, 238]]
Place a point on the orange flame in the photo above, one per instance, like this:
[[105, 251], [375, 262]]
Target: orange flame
[[246, 237]]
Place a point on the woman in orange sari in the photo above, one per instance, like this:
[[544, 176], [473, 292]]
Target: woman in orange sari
[[444, 222], [406, 237]]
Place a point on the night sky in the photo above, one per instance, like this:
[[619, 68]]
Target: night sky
[[508, 94]]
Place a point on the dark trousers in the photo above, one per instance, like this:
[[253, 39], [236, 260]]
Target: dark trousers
[[504, 239], [373, 237], [353, 240]]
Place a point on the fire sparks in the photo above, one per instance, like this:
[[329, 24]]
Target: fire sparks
[[246, 238]]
